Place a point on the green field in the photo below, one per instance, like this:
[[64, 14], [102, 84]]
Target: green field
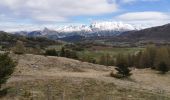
[[96, 54]]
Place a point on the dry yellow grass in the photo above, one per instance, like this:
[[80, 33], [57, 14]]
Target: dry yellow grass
[[34, 73]]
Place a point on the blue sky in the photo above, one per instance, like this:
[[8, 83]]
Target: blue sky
[[35, 14]]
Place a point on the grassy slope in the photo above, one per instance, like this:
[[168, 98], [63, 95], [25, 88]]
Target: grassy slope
[[55, 78]]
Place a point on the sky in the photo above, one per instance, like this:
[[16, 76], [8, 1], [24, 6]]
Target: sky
[[20, 15]]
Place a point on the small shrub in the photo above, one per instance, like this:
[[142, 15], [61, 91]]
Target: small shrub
[[68, 53], [19, 48], [163, 67], [51, 52]]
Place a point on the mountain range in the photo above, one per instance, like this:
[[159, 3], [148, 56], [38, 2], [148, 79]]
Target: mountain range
[[94, 29], [110, 31]]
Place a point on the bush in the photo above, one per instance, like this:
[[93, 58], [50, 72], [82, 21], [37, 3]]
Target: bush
[[75, 47], [68, 53], [163, 67], [19, 48], [51, 52], [71, 54], [91, 60], [7, 66], [122, 66]]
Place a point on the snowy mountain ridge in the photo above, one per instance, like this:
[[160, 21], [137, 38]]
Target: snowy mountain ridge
[[94, 29], [98, 26]]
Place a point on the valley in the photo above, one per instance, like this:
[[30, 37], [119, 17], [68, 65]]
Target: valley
[[84, 50]]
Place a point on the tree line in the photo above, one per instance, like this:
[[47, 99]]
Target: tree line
[[153, 57]]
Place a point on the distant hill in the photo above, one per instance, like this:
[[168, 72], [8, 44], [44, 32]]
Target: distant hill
[[8, 40], [160, 33], [74, 38]]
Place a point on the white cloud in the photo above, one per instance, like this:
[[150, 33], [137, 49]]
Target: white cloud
[[13, 27], [149, 15], [15, 13], [131, 1], [55, 10], [150, 18]]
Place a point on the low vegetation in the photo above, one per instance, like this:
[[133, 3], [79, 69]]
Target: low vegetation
[[19, 48], [155, 57], [122, 66], [51, 52], [152, 57], [7, 66]]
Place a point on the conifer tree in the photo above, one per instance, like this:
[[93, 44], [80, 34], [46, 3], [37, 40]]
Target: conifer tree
[[62, 54], [130, 60], [151, 49], [163, 67], [162, 56], [144, 61], [122, 66]]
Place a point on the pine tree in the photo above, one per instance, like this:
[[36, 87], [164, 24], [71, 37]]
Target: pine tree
[[106, 59], [162, 56], [130, 60], [163, 67], [151, 49], [144, 61], [122, 66], [6, 69], [62, 53]]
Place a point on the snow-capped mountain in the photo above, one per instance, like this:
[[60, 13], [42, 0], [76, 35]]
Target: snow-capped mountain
[[97, 27], [72, 28], [94, 29], [111, 26]]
